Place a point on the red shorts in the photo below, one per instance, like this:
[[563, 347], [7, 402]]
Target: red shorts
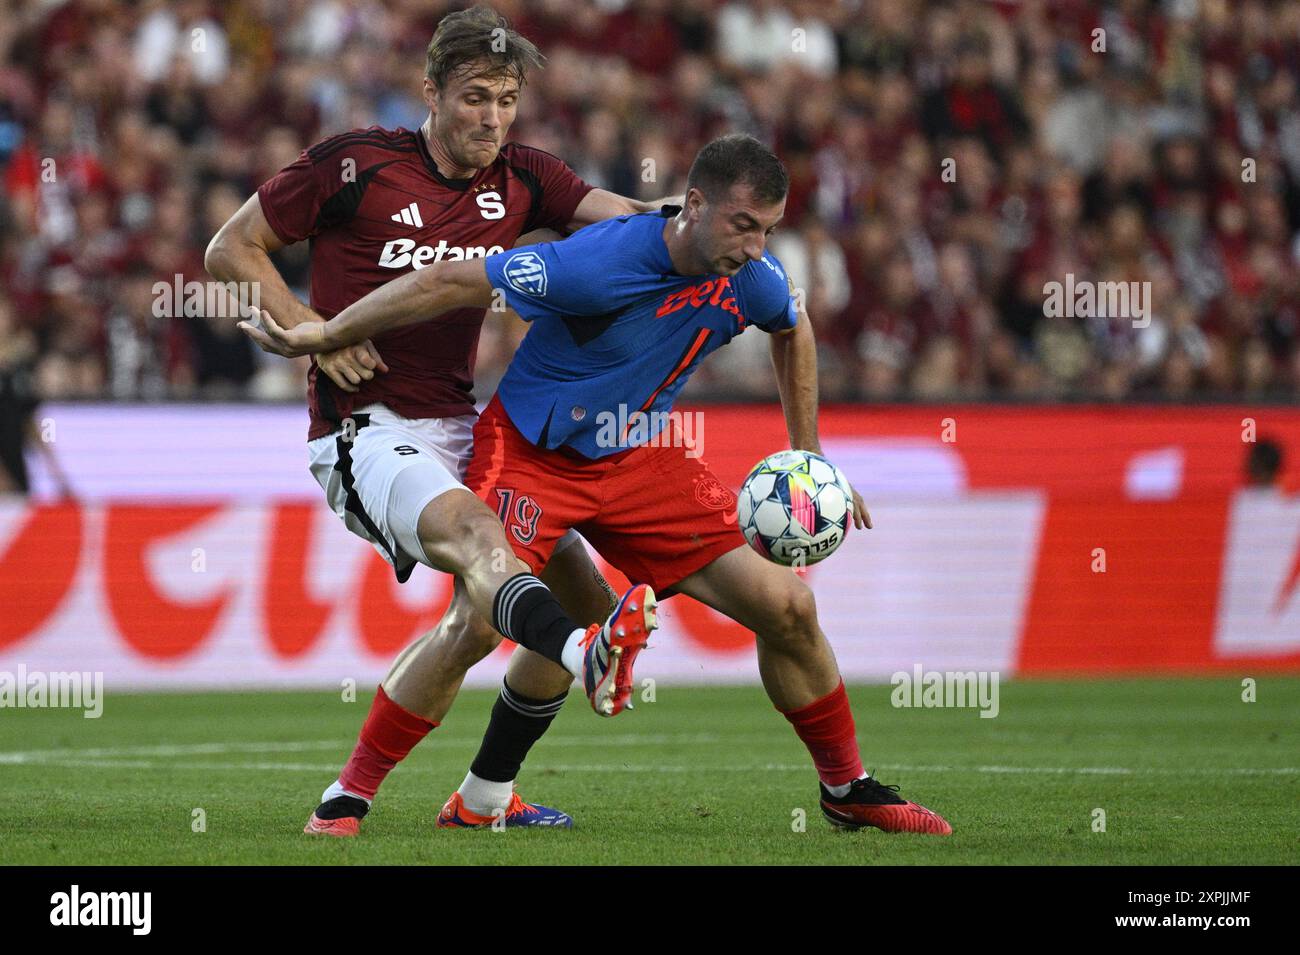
[[655, 513]]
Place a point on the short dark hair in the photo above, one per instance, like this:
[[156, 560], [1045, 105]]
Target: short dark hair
[[736, 159], [479, 33]]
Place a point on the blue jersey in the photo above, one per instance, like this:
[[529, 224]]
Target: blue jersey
[[615, 331]]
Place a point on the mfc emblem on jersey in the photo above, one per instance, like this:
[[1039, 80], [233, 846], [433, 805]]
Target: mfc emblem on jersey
[[526, 272]]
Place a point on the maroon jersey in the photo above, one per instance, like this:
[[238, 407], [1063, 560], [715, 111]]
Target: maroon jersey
[[375, 206]]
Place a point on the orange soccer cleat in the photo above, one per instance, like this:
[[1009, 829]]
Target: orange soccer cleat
[[337, 816], [610, 650], [347, 826]]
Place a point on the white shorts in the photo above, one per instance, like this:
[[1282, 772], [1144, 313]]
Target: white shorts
[[381, 480]]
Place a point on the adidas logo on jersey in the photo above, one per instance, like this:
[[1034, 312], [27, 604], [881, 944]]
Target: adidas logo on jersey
[[410, 215], [399, 253]]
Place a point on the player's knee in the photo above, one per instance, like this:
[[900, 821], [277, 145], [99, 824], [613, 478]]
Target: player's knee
[[471, 638], [484, 540], [793, 616]]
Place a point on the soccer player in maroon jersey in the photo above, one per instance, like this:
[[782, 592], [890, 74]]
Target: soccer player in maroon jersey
[[390, 449]]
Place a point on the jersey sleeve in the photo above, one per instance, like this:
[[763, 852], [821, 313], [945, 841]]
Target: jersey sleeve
[[300, 200], [557, 189], [576, 277], [770, 304], [292, 200]]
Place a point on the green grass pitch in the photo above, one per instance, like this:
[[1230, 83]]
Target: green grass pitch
[[1184, 770]]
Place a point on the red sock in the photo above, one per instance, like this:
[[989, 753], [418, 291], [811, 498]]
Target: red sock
[[389, 733], [826, 728]]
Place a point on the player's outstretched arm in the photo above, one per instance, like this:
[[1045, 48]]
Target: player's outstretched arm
[[413, 298], [794, 357], [600, 204]]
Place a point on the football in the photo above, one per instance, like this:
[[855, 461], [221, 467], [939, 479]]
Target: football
[[795, 507]]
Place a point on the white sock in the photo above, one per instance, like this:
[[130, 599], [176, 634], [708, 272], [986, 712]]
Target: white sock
[[482, 796], [842, 790], [336, 789], [572, 654]]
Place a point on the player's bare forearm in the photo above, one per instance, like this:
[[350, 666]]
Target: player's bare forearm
[[248, 264], [240, 252], [600, 204], [413, 298], [794, 356]]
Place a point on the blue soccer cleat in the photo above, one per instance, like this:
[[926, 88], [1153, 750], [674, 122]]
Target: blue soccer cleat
[[454, 815]]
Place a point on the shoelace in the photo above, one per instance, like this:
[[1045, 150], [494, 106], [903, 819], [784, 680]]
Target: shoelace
[[589, 636], [871, 783], [888, 795]]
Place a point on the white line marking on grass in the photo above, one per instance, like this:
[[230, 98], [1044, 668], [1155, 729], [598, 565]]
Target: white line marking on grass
[[70, 758], [341, 745], [151, 757], [891, 767], [1086, 770], [187, 749], [183, 767]]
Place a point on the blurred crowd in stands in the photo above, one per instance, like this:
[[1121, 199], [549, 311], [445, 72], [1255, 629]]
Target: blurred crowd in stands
[[948, 160]]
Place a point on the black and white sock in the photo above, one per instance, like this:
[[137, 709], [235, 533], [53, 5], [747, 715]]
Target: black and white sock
[[526, 611], [517, 723]]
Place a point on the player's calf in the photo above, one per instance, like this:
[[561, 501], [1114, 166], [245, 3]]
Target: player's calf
[[794, 656], [426, 678]]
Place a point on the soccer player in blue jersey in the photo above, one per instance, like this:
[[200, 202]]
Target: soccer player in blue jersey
[[622, 312]]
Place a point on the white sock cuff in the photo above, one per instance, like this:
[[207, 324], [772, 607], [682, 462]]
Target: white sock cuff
[[482, 796], [573, 652], [336, 789]]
